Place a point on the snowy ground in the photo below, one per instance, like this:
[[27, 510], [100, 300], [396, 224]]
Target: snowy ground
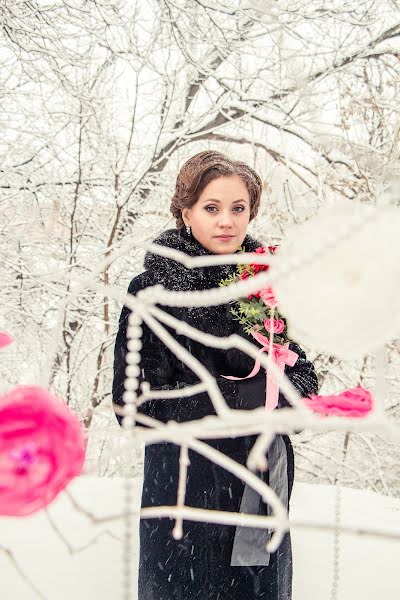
[[62, 555]]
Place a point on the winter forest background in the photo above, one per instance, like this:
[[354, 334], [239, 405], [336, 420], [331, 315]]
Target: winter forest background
[[102, 102]]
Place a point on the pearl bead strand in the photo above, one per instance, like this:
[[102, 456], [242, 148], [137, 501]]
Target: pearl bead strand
[[132, 372]]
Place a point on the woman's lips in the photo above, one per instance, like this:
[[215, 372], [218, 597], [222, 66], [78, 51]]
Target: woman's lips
[[224, 238]]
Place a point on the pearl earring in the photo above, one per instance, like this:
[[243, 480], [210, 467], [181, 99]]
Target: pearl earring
[[188, 229]]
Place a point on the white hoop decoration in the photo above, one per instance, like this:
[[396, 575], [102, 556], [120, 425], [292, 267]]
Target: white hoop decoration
[[337, 279]]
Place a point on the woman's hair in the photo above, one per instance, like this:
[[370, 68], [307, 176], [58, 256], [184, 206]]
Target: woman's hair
[[198, 171]]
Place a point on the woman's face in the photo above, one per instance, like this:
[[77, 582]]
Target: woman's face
[[220, 217]]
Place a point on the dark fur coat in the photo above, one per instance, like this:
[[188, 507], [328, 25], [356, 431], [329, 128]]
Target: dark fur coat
[[198, 566]]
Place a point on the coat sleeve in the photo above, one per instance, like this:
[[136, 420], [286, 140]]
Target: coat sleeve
[[302, 375]]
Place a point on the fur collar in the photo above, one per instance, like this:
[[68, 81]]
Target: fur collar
[[175, 276]]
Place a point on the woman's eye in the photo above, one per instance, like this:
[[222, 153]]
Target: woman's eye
[[236, 208]]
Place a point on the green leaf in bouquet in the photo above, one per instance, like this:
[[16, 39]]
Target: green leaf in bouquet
[[228, 281]]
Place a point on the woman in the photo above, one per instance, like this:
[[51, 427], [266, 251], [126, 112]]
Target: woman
[[214, 201]]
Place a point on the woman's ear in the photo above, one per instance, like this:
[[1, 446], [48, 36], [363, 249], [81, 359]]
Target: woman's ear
[[185, 216]]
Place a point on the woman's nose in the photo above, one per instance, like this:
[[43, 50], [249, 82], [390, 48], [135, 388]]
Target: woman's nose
[[225, 219]]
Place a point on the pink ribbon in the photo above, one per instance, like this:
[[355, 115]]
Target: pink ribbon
[[281, 355]]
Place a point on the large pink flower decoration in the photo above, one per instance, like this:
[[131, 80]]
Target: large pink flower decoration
[[42, 447], [5, 339], [356, 402]]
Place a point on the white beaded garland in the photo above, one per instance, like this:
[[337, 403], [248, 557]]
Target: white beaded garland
[[134, 344], [130, 384], [128, 396], [134, 331], [129, 410], [128, 422], [132, 358], [127, 542], [132, 370], [134, 318]]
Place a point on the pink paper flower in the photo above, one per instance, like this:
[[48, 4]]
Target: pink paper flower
[[279, 325], [268, 297], [5, 339], [42, 447], [356, 402]]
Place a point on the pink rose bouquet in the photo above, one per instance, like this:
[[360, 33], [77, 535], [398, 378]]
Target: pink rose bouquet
[[258, 312]]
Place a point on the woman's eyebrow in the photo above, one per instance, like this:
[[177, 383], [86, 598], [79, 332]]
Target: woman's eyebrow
[[219, 201]]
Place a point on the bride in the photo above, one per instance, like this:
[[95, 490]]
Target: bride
[[214, 201]]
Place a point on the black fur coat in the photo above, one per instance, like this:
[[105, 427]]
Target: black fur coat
[[198, 566]]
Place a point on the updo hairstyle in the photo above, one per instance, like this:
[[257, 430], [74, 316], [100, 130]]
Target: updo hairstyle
[[199, 170]]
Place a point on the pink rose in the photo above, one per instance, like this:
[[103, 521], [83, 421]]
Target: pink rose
[[279, 325], [42, 447], [356, 402], [268, 297]]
